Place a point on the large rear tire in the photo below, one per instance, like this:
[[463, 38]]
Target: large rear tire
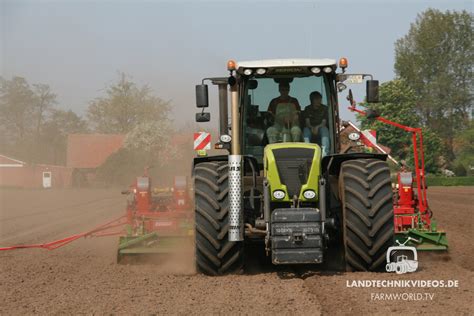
[[368, 229], [215, 254]]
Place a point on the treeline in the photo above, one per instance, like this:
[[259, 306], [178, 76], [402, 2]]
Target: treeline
[[433, 90], [33, 128]]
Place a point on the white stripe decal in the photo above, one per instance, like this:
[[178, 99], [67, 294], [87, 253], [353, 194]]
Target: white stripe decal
[[202, 136], [370, 137]]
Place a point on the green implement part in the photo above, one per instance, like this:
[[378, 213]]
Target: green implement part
[[423, 240], [150, 244], [126, 242]]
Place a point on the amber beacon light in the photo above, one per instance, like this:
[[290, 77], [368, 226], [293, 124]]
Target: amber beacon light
[[231, 65], [343, 63]]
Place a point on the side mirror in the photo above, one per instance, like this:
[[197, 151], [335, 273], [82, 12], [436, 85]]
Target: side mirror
[[202, 96], [372, 91], [203, 117]]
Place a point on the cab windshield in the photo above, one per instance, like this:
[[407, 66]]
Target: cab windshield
[[287, 109]]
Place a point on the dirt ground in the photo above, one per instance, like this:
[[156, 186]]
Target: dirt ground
[[83, 278]]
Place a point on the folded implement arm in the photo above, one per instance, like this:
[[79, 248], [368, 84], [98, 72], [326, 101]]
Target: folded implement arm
[[412, 214]]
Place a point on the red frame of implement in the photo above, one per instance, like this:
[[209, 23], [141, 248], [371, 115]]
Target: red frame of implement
[[163, 217], [402, 208], [141, 212]]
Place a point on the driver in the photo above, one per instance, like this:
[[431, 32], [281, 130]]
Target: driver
[[285, 110]]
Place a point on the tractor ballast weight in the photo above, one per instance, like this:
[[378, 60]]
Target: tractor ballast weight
[[294, 199]]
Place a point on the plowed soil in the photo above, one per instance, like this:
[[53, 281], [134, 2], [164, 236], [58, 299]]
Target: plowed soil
[[83, 277]]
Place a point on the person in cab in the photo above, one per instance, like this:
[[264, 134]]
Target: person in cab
[[285, 111], [315, 117]]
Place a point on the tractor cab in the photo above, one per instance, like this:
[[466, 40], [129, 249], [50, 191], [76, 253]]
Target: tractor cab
[[287, 102], [281, 101]]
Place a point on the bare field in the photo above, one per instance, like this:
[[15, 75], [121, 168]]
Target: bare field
[[83, 277]]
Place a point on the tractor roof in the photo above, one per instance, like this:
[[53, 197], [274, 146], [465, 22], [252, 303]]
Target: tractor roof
[[295, 62]]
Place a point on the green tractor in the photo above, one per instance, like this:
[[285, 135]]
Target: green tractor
[[285, 188]]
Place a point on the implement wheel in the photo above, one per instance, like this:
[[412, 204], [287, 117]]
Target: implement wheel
[[368, 229], [215, 255]]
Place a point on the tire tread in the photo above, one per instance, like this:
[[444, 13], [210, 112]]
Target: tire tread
[[366, 195], [215, 255]]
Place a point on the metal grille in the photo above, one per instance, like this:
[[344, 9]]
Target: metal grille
[[293, 166], [236, 232]]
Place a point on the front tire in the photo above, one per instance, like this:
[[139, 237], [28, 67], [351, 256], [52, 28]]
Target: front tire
[[368, 228], [215, 254]]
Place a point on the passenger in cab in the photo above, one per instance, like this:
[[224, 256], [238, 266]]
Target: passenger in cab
[[315, 119], [285, 111]]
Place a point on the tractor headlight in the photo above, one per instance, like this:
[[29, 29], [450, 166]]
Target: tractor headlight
[[261, 71], [354, 136], [225, 138], [327, 69], [279, 194], [315, 70], [248, 72], [309, 194]]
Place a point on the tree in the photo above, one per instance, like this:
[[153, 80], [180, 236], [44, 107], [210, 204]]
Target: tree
[[124, 107], [45, 99], [436, 59], [53, 137], [433, 152], [66, 122], [464, 151], [17, 102], [19, 118], [152, 138], [24, 111], [31, 128], [152, 142], [148, 144], [399, 105]]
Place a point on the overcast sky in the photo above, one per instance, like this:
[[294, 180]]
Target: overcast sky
[[79, 47]]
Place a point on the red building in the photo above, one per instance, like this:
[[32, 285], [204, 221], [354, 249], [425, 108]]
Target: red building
[[86, 152], [16, 173]]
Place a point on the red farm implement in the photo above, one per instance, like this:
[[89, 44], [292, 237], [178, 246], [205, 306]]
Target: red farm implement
[[413, 218], [158, 220]]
